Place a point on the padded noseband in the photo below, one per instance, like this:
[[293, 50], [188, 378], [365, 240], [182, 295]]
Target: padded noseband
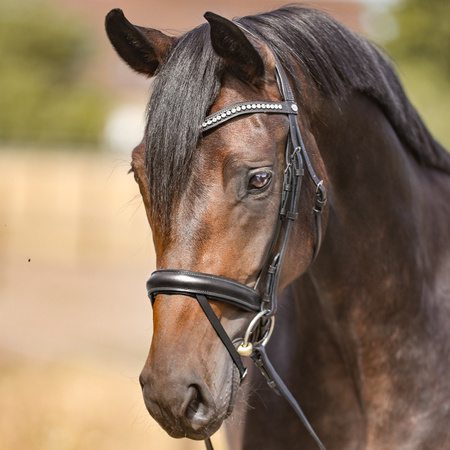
[[214, 287]]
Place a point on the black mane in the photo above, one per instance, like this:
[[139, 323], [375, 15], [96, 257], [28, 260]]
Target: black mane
[[331, 56]]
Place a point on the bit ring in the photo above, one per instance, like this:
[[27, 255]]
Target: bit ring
[[246, 347]]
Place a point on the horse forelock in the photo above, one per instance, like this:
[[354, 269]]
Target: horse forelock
[[183, 93]]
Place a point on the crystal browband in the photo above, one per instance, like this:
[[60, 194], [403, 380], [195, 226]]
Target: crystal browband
[[287, 107]]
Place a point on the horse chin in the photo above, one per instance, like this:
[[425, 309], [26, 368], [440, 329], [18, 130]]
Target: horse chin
[[199, 435]]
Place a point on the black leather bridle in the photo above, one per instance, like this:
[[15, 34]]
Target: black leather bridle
[[202, 286]]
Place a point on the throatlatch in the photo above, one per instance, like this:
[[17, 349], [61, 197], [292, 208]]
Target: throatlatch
[[203, 286]]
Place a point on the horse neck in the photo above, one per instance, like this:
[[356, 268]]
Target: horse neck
[[375, 263], [371, 176], [373, 308]]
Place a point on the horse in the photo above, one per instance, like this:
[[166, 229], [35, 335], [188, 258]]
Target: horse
[[362, 338]]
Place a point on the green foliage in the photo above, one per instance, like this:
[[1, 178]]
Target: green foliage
[[43, 96], [422, 51], [429, 91], [424, 33]]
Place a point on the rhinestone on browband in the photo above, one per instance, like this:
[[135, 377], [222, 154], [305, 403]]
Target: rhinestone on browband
[[246, 108]]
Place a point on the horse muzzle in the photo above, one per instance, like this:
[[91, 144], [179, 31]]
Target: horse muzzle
[[183, 408], [189, 381]]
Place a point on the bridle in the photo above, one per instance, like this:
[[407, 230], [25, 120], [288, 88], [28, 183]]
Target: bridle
[[202, 286]]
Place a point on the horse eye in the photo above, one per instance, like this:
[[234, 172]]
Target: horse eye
[[259, 180]]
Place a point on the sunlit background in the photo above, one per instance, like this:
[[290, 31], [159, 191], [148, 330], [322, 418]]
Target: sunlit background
[[75, 249]]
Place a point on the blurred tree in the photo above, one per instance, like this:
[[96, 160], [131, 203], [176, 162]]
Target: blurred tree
[[422, 51], [43, 97], [424, 32]]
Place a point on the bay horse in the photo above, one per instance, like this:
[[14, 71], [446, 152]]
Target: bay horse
[[362, 338]]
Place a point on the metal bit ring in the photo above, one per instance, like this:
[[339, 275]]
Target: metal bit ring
[[246, 347]]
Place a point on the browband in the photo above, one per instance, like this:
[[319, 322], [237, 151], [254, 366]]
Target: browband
[[259, 106]]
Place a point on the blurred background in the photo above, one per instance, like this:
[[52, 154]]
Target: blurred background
[[75, 248]]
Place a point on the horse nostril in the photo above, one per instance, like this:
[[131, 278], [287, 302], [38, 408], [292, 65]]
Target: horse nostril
[[194, 402], [198, 412]]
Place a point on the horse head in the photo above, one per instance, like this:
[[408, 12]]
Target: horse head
[[213, 200]]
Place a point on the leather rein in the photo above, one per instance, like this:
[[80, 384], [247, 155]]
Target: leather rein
[[202, 286]]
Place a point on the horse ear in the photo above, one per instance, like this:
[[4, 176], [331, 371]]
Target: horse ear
[[143, 49], [231, 44]]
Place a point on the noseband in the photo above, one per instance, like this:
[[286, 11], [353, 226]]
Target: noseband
[[202, 286]]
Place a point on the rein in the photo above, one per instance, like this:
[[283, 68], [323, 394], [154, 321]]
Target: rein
[[203, 286]]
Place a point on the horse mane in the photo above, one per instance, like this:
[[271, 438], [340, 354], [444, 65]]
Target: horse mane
[[338, 61], [332, 57]]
